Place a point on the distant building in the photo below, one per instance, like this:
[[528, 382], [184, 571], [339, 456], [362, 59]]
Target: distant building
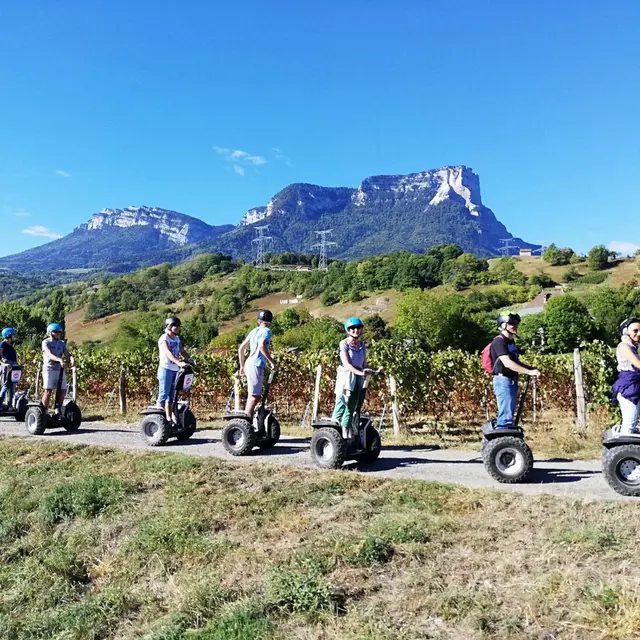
[[525, 253]]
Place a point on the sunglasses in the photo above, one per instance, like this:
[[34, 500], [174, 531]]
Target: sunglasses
[[355, 328]]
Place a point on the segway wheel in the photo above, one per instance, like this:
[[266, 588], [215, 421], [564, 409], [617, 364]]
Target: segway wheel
[[375, 446], [328, 449], [35, 420], [508, 460], [22, 407], [190, 425], [155, 430], [238, 437], [621, 469], [73, 416], [267, 443]]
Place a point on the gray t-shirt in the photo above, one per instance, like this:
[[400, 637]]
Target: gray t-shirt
[[357, 355], [57, 347]]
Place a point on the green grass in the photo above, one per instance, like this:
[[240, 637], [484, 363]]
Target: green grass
[[100, 544]]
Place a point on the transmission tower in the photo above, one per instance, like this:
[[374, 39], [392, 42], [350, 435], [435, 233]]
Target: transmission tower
[[542, 247], [323, 244], [260, 241], [505, 249]]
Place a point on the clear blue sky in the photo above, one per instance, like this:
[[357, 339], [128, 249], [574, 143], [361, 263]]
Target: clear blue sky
[[109, 103]]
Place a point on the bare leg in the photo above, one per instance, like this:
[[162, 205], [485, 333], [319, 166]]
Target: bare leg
[[252, 401], [60, 397], [168, 407], [46, 398]]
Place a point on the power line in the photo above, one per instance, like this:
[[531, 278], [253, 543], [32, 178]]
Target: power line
[[543, 246], [323, 244], [260, 241]]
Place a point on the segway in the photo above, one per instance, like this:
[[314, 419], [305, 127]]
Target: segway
[[241, 433], [330, 447], [155, 429], [506, 456], [621, 461], [17, 403], [67, 415]]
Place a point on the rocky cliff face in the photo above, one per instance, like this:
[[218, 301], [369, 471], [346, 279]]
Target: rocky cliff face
[[178, 228], [414, 211]]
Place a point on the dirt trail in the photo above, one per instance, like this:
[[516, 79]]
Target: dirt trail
[[571, 478]]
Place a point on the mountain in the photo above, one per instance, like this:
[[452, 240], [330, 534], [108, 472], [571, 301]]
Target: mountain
[[383, 214], [118, 240]]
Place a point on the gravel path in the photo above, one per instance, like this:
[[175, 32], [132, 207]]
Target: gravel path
[[572, 478]]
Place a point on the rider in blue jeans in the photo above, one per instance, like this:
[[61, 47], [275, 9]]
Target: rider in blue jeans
[[506, 367], [172, 358]]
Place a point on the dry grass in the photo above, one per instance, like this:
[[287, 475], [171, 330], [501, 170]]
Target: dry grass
[[94, 330], [102, 544]]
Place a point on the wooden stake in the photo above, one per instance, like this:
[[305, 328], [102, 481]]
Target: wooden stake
[[122, 390], [395, 412], [316, 394], [581, 405]]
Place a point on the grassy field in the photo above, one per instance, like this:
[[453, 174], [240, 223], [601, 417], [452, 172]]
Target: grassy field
[[103, 544]]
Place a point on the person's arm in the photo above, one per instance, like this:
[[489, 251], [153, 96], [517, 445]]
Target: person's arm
[[241, 354], [164, 348], [1, 353], [51, 356], [630, 355], [72, 360], [517, 367], [266, 352], [183, 352]]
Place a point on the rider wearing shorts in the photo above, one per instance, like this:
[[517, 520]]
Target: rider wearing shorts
[[54, 363], [259, 343]]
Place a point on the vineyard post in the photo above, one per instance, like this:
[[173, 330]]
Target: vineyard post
[[316, 394], [395, 413], [535, 398], [122, 390], [581, 405], [236, 392]]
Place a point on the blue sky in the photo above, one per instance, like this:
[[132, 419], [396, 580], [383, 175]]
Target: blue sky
[[110, 103]]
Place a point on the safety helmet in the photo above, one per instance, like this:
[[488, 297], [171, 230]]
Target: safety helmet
[[8, 332], [173, 321], [507, 318], [624, 327], [54, 326], [265, 315], [353, 322]]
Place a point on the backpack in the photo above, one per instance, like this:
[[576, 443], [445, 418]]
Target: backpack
[[487, 362]]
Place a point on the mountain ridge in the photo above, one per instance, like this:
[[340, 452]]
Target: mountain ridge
[[385, 213]]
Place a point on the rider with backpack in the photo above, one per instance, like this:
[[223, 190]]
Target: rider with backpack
[[500, 358]]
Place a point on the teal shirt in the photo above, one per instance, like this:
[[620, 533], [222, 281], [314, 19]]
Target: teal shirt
[[256, 337]]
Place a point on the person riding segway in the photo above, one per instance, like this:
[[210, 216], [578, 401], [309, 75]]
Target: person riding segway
[[11, 403], [170, 417], [348, 434], [621, 454], [243, 430], [507, 457], [55, 361]]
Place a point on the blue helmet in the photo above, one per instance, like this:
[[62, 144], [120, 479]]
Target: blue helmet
[[353, 322], [8, 332], [54, 326]]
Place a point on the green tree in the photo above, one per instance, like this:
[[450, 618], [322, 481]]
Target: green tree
[[440, 321], [567, 323], [598, 257], [541, 279], [57, 309], [609, 307], [556, 256], [504, 270]]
